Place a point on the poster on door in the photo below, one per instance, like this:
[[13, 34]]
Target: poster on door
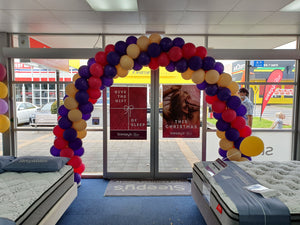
[[128, 113], [181, 111]]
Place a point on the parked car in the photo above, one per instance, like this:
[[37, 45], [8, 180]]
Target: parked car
[[24, 110], [43, 117]]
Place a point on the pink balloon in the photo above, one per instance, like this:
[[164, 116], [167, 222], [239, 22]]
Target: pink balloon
[[3, 106], [2, 72]]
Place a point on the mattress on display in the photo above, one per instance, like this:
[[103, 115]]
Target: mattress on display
[[282, 178], [27, 197]]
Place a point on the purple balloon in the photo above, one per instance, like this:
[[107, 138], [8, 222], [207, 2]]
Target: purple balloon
[[91, 61], [202, 86], [54, 151], [241, 110], [224, 94], [63, 111], [87, 108], [166, 44], [222, 152], [102, 87], [86, 116], [179, 42], [208, 63], [232, 134], [238, 142], [2, 72], [3, 106], [107, 82], [75, 144], [222, 125], [143, 59], [234, 102], [79, 152], [70, 134], [137, 66], [113, 58], [248, 157], [217, 116], [131, 40], [154, 50], [84, 72], [77, 178], [195, 63], [120, 47], [81, 84], [219, 67], [64, 122], [170, 67], [211, 89], [82, 97], [181, 66], [110, 71]]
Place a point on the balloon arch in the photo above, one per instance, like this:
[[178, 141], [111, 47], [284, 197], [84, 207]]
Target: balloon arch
[[192, 62]]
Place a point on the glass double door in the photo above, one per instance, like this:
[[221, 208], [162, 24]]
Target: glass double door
[[139, 142]]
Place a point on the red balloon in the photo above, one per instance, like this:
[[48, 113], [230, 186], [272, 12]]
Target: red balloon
[[96, 70], [163, 59], [75, 161], [238, 123], [67, 152], [229, 115], [109, 48], [58, 131], [95, 82], [93, 100], [218, 106], [80, 169], [153, 65], [245, 132], [175, 53], [211, 99], [188, 50], [94, 93], [60, 143], [100, 57], [201, 52]]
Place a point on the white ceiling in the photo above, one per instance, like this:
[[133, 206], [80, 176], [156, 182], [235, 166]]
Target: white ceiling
[[172, 17]]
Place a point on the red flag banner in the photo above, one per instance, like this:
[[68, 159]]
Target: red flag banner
[[275, 77]]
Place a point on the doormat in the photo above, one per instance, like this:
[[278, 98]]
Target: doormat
[[148, 188]]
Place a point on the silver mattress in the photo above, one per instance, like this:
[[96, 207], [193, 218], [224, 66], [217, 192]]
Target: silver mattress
[[283, 177], [26, 197]]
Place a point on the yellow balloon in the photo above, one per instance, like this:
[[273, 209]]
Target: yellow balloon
[[212, 76], [226, 144], [81, 134], [198, 76], [133, 51], [234, 154], [120, 71], [75, 77], [126, 62], [3, 90], [252, 146], [224, 80], [4, 123], [70, 103], [79, 125], [233, 87], [71, 90], [74, 115], [242, 159], [143, 42], [187, 75], [221, 134], [155, 38]]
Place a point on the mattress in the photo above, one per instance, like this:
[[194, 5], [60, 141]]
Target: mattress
[[26, 197], [282, 177]]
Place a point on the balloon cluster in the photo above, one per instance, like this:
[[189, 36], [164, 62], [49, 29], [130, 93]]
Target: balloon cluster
[[4, 120]]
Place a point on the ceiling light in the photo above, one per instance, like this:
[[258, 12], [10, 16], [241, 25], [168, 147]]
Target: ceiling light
[[113, 5], [294, 6]]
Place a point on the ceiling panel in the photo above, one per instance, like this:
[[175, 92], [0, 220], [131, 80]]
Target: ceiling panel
[[5, 17], [162, 5], [274, 29], [282, 18], [261, 5], [211, 5], [71, 17], [202, 17], [244, 17], [160, 17], [47, 28], [121, 18], [32, 16], [228, 29], [20, 4], [65, 4]]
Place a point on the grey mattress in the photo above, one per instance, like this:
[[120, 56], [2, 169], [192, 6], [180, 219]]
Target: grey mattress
[[27, 197]]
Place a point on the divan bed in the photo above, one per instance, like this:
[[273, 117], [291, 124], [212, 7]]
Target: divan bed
[[34, 197], [219, 205]]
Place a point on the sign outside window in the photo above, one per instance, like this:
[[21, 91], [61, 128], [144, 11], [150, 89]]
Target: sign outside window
[[128, 113]]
